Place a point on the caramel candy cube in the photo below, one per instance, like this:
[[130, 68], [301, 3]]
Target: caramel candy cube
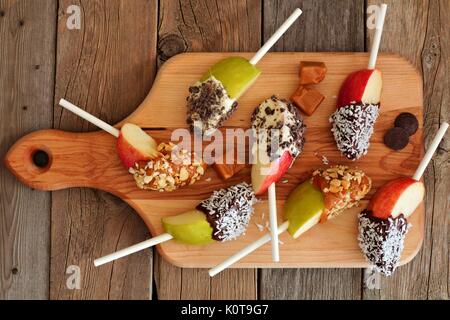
[[307, 99], [312, 72]]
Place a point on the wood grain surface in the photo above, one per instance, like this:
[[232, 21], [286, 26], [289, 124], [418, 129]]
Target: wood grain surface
[[108, 67], [418, 30], [27, 62]]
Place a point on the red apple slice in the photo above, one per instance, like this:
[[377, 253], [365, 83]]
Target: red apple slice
[[361, 86], [135, 145], [399, 196], [263, 175]]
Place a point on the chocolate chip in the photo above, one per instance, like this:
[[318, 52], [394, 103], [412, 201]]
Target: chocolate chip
[[193, 89], [396, 138], [408, 122], [269, 111]]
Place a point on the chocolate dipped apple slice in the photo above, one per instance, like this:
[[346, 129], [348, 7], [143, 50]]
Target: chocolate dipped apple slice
[[384, 224], [224, 216], [279, 133], [358, 103], [213, 99]]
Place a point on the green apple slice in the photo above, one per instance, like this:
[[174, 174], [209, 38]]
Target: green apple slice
[[303, 208], [235, 73], [190, 227]]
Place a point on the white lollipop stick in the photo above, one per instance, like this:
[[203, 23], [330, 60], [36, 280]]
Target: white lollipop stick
[[277, 35], [431, 150], [135, 248], [273, 219], [246, 251], [272, 195], [89, 117], [377, 38]]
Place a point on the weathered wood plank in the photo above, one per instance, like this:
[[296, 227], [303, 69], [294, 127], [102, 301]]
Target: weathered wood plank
[[206, 26], [418, 30], [107, 67], [319, 30], [27, 59]]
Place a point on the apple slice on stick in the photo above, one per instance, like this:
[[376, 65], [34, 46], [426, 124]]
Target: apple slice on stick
[[214, 98], [365, 85], [190, 227], [133, 144], [383, 226], [403, 195], [223, 216], [264, 178], [279, 135], [160, 167], [358, 103]]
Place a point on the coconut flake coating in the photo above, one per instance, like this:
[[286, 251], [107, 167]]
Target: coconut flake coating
[[209, 105], [382, 241], [229, 211], [353, 127], [278, 127]]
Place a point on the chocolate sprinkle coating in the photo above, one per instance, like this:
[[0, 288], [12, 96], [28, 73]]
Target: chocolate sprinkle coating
[[353, 127], [382, 241], [228, 211], [209, 105], [396, 138], [281, 118], [408, 122]]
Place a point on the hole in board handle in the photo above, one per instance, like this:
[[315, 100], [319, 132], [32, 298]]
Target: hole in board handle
[[39, 160]]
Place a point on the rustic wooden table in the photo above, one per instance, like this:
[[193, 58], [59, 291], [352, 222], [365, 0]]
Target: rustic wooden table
[[108, 66]]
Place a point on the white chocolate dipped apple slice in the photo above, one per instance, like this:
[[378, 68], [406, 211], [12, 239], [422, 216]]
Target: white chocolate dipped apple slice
[[279, 130], [316, 200], [224, 216], [213, 99], [358, 103], [384, 224], [159, 167]]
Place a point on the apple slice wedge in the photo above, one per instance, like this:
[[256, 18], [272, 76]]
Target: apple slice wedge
[[361, 86], [264, 174], [399, 196], [191, 227], [135, 145], [303, 208]]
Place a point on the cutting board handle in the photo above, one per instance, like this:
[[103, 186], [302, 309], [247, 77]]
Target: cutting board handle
[[54, 159]]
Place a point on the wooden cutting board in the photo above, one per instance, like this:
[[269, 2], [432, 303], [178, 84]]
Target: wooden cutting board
[[90, 159]]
